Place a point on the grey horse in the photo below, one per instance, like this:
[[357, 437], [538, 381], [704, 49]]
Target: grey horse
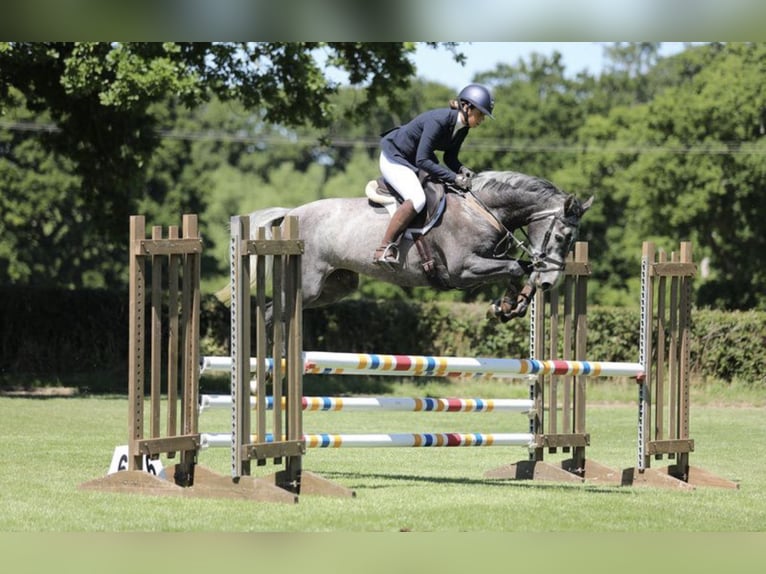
[[473, 242]]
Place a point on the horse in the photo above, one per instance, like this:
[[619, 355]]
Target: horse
[[469, 245]]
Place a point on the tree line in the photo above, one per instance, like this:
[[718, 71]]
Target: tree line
[[673, 149]]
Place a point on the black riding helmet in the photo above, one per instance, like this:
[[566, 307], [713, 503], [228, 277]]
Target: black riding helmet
[[479, 97]]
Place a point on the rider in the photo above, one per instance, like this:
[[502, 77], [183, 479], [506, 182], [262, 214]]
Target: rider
[[410, 147]]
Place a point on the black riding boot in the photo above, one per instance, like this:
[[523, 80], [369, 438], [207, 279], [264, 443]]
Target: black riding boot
[[388, 252]]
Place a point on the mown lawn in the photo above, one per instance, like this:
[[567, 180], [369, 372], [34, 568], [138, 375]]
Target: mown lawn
[[53, 445]]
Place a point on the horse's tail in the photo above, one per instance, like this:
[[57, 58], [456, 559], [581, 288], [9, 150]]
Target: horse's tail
[[267, 218]]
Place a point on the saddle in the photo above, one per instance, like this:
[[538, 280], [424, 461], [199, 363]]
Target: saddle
[[380, 193]]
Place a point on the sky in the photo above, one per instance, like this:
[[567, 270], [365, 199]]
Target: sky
[[438, 65]]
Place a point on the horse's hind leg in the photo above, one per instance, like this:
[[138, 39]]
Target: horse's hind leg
[[334, 287], [337, 285]]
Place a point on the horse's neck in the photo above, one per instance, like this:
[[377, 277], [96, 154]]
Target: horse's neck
[[517, 209]]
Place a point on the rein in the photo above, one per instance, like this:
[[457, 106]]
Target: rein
[[509, 241]]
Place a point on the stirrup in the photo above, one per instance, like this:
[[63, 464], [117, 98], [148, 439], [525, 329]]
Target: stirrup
[[389, 257]]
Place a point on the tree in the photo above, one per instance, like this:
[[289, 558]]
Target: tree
[[688, 165], [538, 111], [100, 103], [712, 189]]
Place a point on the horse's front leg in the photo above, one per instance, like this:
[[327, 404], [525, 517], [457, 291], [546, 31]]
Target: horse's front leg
[[512, 304]]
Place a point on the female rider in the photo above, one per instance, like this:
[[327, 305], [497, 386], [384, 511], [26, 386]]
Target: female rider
[[410, 147]]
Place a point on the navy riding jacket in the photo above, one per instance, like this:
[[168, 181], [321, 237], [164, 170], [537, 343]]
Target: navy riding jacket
[[414, 143]]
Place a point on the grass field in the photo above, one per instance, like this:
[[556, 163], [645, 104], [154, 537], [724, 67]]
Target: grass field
[[52, 445]]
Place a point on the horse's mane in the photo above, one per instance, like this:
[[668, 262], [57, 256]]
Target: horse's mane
[[505, 181]]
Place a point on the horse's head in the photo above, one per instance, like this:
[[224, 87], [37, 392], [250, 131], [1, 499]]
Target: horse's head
[[552, 234]]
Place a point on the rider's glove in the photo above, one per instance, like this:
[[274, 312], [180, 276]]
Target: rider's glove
[[466, 172], [463, 181]]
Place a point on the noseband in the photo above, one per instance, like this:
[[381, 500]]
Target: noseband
[[540, 261]]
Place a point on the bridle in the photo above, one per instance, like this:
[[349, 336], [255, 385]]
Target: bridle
[[540, 262]]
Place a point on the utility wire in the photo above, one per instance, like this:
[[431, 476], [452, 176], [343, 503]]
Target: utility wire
[[498, 145]]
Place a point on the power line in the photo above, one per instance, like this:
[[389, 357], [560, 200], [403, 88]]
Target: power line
[[484, 144]]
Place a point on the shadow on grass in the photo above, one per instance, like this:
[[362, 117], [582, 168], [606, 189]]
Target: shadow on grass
[[461, 481], [330, 385]]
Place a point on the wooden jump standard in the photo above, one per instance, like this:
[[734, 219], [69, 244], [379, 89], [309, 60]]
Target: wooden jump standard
[[173, 337], [664, 354], [666, 287], [181, 254], [252, 256], [558, 328]]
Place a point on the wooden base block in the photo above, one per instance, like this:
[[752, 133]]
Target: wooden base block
[[672, 475], [594, 472], [533, 470], [698, 476], [653, 477], [211, 484], [701, 477], [312, 484], [207, 484], [133, 481]]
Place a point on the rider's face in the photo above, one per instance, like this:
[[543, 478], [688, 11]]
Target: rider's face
[[475, 117]]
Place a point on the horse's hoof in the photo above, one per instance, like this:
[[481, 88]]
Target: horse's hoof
[[501, 309], [519, 310], [513, 315]]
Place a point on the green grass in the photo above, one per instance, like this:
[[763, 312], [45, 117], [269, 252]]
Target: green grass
[[52, 445]]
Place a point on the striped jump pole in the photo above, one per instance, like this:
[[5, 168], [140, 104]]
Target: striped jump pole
[[387, 440], [400, 404], [331, 363]]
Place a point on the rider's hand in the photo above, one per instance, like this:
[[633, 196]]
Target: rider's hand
[[463, 181], [469, 173]]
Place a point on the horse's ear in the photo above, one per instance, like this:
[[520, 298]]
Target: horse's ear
[[573, 207]]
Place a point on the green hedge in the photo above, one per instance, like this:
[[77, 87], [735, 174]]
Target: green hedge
[[725, 346], [80, 338], [57, 337]]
